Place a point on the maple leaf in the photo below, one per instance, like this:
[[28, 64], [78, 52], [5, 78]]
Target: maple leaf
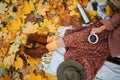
[[3, 7], [6, 77], [23, 38], [33, 61], [41, 9], [18, 64], [108, 10], [13, 48], [47, 26], [4, 29], [52, 28], [45, 23], [30, 28], [28, 7], [14, 25], [72, 4], [32, 76], [9, 60]]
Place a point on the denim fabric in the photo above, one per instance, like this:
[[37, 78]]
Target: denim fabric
[[109, 71]]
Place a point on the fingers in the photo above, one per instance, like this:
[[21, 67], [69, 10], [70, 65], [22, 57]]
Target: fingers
[[93, 31], [96, 30]]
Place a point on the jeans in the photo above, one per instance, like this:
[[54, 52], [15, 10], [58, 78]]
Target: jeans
[[109, 71]]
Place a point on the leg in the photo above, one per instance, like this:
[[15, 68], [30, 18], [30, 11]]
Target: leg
[[35, 52], [35, 38]]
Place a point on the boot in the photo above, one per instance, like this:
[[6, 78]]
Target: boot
[[35, 38], [35, 52]]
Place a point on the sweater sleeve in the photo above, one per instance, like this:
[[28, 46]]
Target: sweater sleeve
[[112, 23]]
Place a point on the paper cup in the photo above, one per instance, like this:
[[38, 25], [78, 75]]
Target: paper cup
[[93, 38]]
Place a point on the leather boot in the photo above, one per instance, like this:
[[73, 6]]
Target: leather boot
[[35, 52], [35, 38]]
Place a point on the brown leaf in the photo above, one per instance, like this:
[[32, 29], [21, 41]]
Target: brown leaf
[[6, 77]]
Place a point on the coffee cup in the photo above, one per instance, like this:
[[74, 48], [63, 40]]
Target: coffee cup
[[93, 38]]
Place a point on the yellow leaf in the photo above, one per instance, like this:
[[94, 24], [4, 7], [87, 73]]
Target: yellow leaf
[[52, 28], [41, 9], [51, 76], [4, 29], [13, 48], [8, 61], [72, 4], [92, 15], [32, 76], [3, 8], [30, 28], [28, 7], [14, 25], [45, 23], [73, 13], [18, 64], [33, 60], [108, 10]]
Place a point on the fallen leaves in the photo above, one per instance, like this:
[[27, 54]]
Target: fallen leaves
[[30, 28], [14, 25], [3, 7], [18, 63], [36, 77], [13, 48], [9, 60], [19, 18], [28, 6]]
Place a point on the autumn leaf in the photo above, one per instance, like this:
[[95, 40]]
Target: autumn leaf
[[72, 4], [30, 28], [28, 6], [4, 29], [9, 60], [108, 10], [3, 8], [6, 77], [47, 26], [41, 9], [13, 48], [18, 64], [32, 76], [14, 25], [92, 14], [33, 61]]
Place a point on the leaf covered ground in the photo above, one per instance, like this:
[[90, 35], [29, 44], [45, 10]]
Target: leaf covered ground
[[19, 18]]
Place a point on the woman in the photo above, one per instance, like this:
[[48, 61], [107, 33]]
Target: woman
[[91, 56], [111, 68]]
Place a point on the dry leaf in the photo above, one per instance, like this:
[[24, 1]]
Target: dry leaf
[[14, 48], [41, 9], [6, 77], [30, 28], [32, 76], [3, 8], [18, 64], [8, 61]]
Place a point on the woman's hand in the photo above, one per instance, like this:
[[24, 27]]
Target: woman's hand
[[97, 30]]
